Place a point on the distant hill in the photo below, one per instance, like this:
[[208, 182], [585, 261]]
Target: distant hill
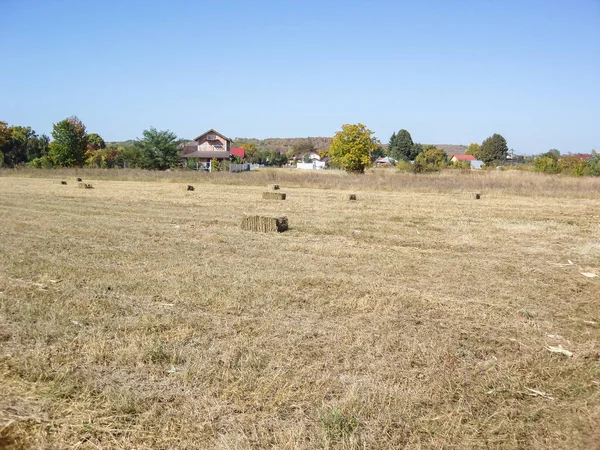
[[452, 149], [283, 145]]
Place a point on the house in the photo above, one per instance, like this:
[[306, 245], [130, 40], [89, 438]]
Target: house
[[314, 165], [238, 151], [208, 146], [459, 158], [476, 165], [384, 162]]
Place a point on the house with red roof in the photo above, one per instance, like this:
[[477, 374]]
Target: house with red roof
[[458, 158], [238, 151]]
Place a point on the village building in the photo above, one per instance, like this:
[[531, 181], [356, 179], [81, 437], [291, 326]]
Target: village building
[[458, 158], [208, 146]]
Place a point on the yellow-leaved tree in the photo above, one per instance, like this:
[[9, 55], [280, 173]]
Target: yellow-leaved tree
[[352, 147]]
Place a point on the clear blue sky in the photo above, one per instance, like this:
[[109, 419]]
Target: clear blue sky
[[449, 71]]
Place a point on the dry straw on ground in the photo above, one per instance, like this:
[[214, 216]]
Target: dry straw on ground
[[273, 196], [265, 224], [415, 319]]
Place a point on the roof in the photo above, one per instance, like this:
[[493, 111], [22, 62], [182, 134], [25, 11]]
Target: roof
[[477, 164], [465, 157], [238, 151], [212, 131], [208, 154]]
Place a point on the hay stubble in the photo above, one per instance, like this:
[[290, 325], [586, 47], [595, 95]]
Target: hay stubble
[[142, 317]]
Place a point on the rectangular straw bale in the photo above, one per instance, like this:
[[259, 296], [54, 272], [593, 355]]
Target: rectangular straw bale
[[273, 196], [273, 187], [350, 197], [265, 224], [63, 182], [79, 180], [190, 187], [85, 186], [476, 195]]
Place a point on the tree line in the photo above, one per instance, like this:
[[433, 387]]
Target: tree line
[[353, 148]]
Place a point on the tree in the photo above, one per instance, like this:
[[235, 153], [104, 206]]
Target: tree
[[69, 144], [251, 152], [391, 144], [158, 149], [474, 150], [20, 144], [430, 160], [401, 145], [493, 148], [415, 151], [305, 146], [95, 142], [352, 147]]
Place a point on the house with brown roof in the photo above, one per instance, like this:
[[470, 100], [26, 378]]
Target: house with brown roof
[[208, 146]]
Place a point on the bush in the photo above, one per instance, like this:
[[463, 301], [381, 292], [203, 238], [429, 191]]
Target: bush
[[431, 160], [43, 162], [215, 165], [572, 165], [546, 164], [592, 167], [404, 166]]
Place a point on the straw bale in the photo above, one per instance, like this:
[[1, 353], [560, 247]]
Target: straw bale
[[190, 187], [273, 187], [265, 224], [350, 197], [85, 186], [79, 180], [63, 182], [273, 196], [476, 195]]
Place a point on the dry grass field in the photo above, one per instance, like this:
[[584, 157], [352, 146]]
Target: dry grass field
[[138, 315]]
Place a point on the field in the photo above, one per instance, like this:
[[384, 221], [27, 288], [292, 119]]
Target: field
[[138, 315]]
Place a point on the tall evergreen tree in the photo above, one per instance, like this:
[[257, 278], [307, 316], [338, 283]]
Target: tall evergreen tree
[[392, 144], [401, 145]]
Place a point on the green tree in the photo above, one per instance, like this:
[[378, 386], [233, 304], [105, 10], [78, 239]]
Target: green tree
[[95, 142], [352, 147], [304, 146], [493, 148], [474, 150], [391, 144], [69, 143], [401, 146], [554, 153], [430, 160], [158, 149], [415, 151], [21, 144], [546, 164], [251, 152]]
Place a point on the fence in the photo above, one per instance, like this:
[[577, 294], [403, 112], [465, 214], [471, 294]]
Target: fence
[[239, 167]]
